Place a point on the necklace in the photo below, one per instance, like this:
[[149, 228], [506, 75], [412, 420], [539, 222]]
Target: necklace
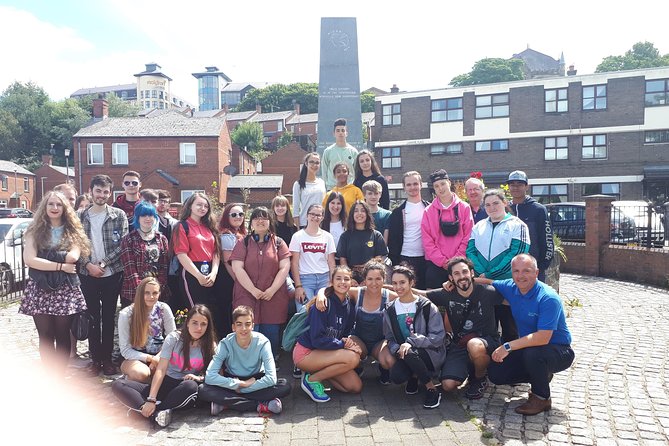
[[405, 306], [146, 235]]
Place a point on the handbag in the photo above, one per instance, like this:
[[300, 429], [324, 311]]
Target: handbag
[[80, 325], [450, 228]]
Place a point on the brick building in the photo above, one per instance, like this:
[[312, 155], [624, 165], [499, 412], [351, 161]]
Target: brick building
[[286, 161], [254, 190], [17, 186], [181, 154], [573, 135], [48, 176]]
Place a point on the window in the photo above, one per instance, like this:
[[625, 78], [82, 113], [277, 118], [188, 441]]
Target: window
[[95, 155], [447, 110], [549, 193], [154, 93], [4, 182], [187, 193], [440, 149], [556, 100], [594, 147], [391, 158], [556, 148], [3, 203], [279, 126], [603, 188], [492, 106], [656, 136], [187, 153], [657, 92], [594, 97], [392, 114], [26, 184], [495, 145], [120, 153]]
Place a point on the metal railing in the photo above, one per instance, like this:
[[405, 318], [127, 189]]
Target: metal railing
[[640, 224], [13, 270]]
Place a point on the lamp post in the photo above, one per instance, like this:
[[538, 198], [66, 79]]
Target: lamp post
[[16, 187], [67, 165]]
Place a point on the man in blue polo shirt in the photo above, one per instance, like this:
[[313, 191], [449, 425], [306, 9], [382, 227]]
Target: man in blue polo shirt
[[543, 347]]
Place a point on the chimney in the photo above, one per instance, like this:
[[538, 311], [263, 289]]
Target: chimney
[[258, 109], [394, 89], [572, 71], [297, 108], [47, 160], [100, 108]]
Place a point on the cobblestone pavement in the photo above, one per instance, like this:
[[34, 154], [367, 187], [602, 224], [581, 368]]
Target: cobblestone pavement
[[615, 393]]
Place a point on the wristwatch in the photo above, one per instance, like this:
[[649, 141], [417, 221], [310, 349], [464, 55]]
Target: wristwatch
[[507, 346], [150, 399], [103, 265]]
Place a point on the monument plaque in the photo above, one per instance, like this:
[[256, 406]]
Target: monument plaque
[[339, 82]]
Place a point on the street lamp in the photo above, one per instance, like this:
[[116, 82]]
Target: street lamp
[[16, 187], [67, 165]]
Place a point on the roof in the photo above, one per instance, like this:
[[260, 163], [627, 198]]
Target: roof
[[171, 123], [276, 116], [238, 116], [207, 113], [8, 166], [96, 90], [63, 170], [212, 71], [153, 69], [256, 182], [239, 86], [538, 62], [300, 119]]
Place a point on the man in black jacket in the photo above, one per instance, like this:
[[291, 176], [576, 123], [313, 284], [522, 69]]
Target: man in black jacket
[[405, 242], [535, 216]]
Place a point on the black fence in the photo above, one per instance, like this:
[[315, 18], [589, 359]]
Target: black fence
[[13, 271], [636, 223]]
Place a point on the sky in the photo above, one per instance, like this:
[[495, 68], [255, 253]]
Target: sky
[[418, 45]]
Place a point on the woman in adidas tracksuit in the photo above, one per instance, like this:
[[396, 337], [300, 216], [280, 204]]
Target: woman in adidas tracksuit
[[326, 351], [493, 243], [415, 332]]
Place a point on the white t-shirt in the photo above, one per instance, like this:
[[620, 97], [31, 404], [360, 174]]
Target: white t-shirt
[[313, 193], [98, 252], [336, 229], [413, 241], [314, 251]]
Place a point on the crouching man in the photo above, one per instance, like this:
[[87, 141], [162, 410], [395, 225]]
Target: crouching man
[[544, 344], [242, 374]]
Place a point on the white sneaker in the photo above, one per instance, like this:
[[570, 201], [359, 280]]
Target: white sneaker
[[216, 408], [164, 417]]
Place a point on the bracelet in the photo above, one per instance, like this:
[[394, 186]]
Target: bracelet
[[60, 267], [298, 286], [150, 400]]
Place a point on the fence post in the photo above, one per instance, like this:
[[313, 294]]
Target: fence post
[[665, 223], [597, 230]]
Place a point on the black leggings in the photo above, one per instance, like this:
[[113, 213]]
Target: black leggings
[[173, 393], [243, 402], [416, 362], [54, 338]]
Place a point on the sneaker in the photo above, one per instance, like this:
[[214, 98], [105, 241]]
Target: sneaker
[[384, 376], [164, 417], [476, 388], [297, 373], [432, 399], [412, 386], [94, 368], [360, 371], [78, 363], [271, 406], [109, 369], [216, 408], [314, 389]]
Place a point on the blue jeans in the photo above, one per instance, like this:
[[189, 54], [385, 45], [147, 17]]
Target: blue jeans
[[311, 283], [271, 332], [532, 365]]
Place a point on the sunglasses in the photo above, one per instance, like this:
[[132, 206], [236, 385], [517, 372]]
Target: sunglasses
[[128, 183], [236, 214]]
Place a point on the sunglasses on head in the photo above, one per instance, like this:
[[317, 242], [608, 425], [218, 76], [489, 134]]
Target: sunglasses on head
[[236, 214], [128, 183]]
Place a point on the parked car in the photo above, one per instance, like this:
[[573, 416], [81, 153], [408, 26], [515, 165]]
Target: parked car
[[15, 213], [568, 222], [12, 269], [638, 210]]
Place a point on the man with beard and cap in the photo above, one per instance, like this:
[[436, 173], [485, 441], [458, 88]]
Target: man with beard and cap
[[470, 318]]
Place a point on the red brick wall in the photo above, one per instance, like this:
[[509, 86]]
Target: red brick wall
[[285, 161], [52, 179], [641, 265], [28, 197]]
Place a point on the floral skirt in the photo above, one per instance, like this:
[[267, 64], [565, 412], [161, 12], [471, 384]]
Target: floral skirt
[[64, 301]]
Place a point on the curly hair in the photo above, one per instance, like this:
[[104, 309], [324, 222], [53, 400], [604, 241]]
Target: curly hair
[[73, 231]]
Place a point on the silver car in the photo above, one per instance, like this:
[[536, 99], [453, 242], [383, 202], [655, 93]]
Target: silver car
[[12, 269]]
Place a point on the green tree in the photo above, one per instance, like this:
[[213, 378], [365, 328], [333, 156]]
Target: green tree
[[10, 132], [642, 55], [367, 101], [248, 135], [285, 139], [491, 71], [118, 108], [30, 107], [66, 119]]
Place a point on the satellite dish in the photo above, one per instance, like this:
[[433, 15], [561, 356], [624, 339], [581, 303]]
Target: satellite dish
[[230, 170]]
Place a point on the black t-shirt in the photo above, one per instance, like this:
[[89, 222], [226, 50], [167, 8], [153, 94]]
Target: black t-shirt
[[357, 247], [481, 302]]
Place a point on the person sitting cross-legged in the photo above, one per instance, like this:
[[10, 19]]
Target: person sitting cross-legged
[[242, 374]]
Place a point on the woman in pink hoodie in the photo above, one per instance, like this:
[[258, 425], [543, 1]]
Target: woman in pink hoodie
[[446, 227]]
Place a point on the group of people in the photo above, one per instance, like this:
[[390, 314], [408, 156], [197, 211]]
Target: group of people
[[360, 270]]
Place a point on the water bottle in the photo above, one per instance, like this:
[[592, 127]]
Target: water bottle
[[204, 268]]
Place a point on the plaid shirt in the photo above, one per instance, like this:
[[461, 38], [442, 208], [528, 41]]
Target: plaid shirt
[[114, 229], [137, 265]]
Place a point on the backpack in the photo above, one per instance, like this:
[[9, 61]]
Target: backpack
[[298, 324]]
